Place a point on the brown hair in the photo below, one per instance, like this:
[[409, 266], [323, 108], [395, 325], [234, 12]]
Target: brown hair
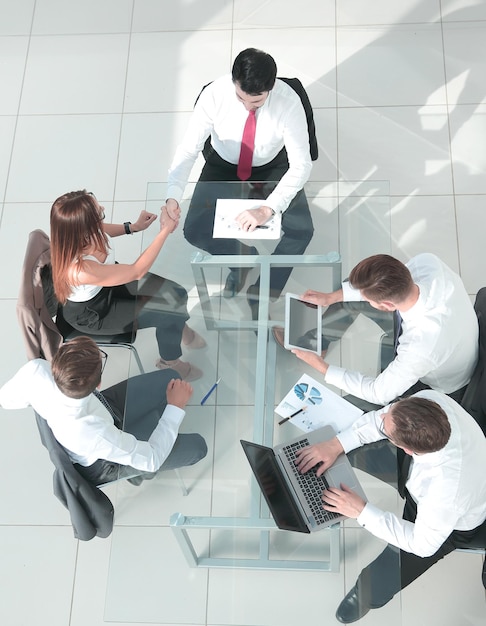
[[382, 277], [420, 425], [75, 224], [76, 367]]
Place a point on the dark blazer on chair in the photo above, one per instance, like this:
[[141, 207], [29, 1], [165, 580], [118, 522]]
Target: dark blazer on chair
[[40, 333], [90, 509]]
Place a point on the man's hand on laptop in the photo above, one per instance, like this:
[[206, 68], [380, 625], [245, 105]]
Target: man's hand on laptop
[[324, 453], [343, 501]]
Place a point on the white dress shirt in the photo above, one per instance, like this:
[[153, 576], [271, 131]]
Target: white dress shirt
[[84, 427], [438, 344], [448, 486], [281, 121]]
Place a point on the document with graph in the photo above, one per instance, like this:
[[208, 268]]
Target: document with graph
[[226, 226], [316, 406]]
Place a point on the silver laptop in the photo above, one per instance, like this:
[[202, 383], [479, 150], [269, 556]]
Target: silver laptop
[[294, 499]]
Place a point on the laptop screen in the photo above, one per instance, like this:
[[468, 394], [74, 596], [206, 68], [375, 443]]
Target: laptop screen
[[279, 498]]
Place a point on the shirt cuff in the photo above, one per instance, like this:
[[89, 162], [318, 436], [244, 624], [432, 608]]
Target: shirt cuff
[[173, 415], [348, 439], [369, 515], [349, 293], [174, 192]]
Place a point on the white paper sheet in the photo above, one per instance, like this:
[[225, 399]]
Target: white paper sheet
[[225, 226], [322, 406]]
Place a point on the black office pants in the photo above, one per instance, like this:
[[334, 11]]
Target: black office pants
[[297, 224], [395, 569]]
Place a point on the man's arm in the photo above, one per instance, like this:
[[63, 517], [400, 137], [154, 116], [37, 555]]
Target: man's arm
[[14, 393], [296, 141]]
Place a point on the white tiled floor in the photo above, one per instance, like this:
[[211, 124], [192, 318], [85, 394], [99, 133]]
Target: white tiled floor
[[96, 94]]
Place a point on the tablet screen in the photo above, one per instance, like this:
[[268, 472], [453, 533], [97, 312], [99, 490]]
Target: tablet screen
[[303, 324]]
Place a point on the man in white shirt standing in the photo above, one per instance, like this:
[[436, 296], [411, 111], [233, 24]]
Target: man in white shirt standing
[[443, 483], [89, 424], [279, 152], [438, 344]]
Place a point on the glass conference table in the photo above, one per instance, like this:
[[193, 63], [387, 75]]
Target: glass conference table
[[224, 521]]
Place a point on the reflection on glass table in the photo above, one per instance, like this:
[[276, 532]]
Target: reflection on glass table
[[226, 521]]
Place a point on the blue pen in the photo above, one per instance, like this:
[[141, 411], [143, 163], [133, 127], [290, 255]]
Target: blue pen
[[210, 391]]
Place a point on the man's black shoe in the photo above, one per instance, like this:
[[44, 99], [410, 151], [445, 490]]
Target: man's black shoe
[[235, 281], [351, 609]]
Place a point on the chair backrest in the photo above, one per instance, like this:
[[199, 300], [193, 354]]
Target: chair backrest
[[299, 89], [474, 400], [90, 509]]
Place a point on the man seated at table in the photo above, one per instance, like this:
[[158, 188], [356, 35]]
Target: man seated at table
[[88, 424], [277, 151], [437, 346], [442, 479]]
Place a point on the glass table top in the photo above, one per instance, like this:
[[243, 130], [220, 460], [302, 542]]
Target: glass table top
[[351, 221]]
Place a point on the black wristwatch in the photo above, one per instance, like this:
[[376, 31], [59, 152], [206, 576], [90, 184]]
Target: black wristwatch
[[127, 228]]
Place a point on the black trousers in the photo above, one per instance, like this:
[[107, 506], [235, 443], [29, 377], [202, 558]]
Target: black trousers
[[152, 302], [395, 569], [137, 404], [296, 220]]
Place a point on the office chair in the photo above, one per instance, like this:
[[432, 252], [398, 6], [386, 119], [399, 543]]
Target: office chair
[[474, 399], [90, 509], [39, 314]]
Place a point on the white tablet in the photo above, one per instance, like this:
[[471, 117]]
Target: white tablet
[[303, 324]]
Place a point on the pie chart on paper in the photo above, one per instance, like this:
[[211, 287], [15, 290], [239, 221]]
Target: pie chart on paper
[[308, 394]]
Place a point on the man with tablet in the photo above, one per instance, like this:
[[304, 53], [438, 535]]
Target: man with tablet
[[437, 345]]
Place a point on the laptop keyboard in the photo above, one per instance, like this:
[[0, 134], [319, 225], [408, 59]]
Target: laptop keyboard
[[312, 486]]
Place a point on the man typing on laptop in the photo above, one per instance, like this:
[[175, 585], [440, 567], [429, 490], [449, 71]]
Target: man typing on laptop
[[442, 479]]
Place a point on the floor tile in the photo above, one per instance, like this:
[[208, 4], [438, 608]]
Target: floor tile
[[468, 122], [386, 66], [167, 590], [413, 228], [16, 19], [13, 51], [110, 16], [395, 12], [463, 45], [471, 222], [255, 14], [75, 74], [407, 146], [460, 11], [150, 15], [81, 151], [35, 561], [184, 77], [7, 131]]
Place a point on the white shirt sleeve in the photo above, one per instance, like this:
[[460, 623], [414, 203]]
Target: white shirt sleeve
[[121, 447], [14, 393], [423, 537], [296, 141], [410, 364]]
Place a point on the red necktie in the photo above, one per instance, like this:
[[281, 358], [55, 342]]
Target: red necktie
[[243, 170]]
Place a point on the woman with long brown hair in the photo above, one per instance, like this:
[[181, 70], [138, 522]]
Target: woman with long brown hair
[[100, 296]]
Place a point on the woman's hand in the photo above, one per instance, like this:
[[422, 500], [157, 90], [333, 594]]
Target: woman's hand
[[167, 222], [144, 220]]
